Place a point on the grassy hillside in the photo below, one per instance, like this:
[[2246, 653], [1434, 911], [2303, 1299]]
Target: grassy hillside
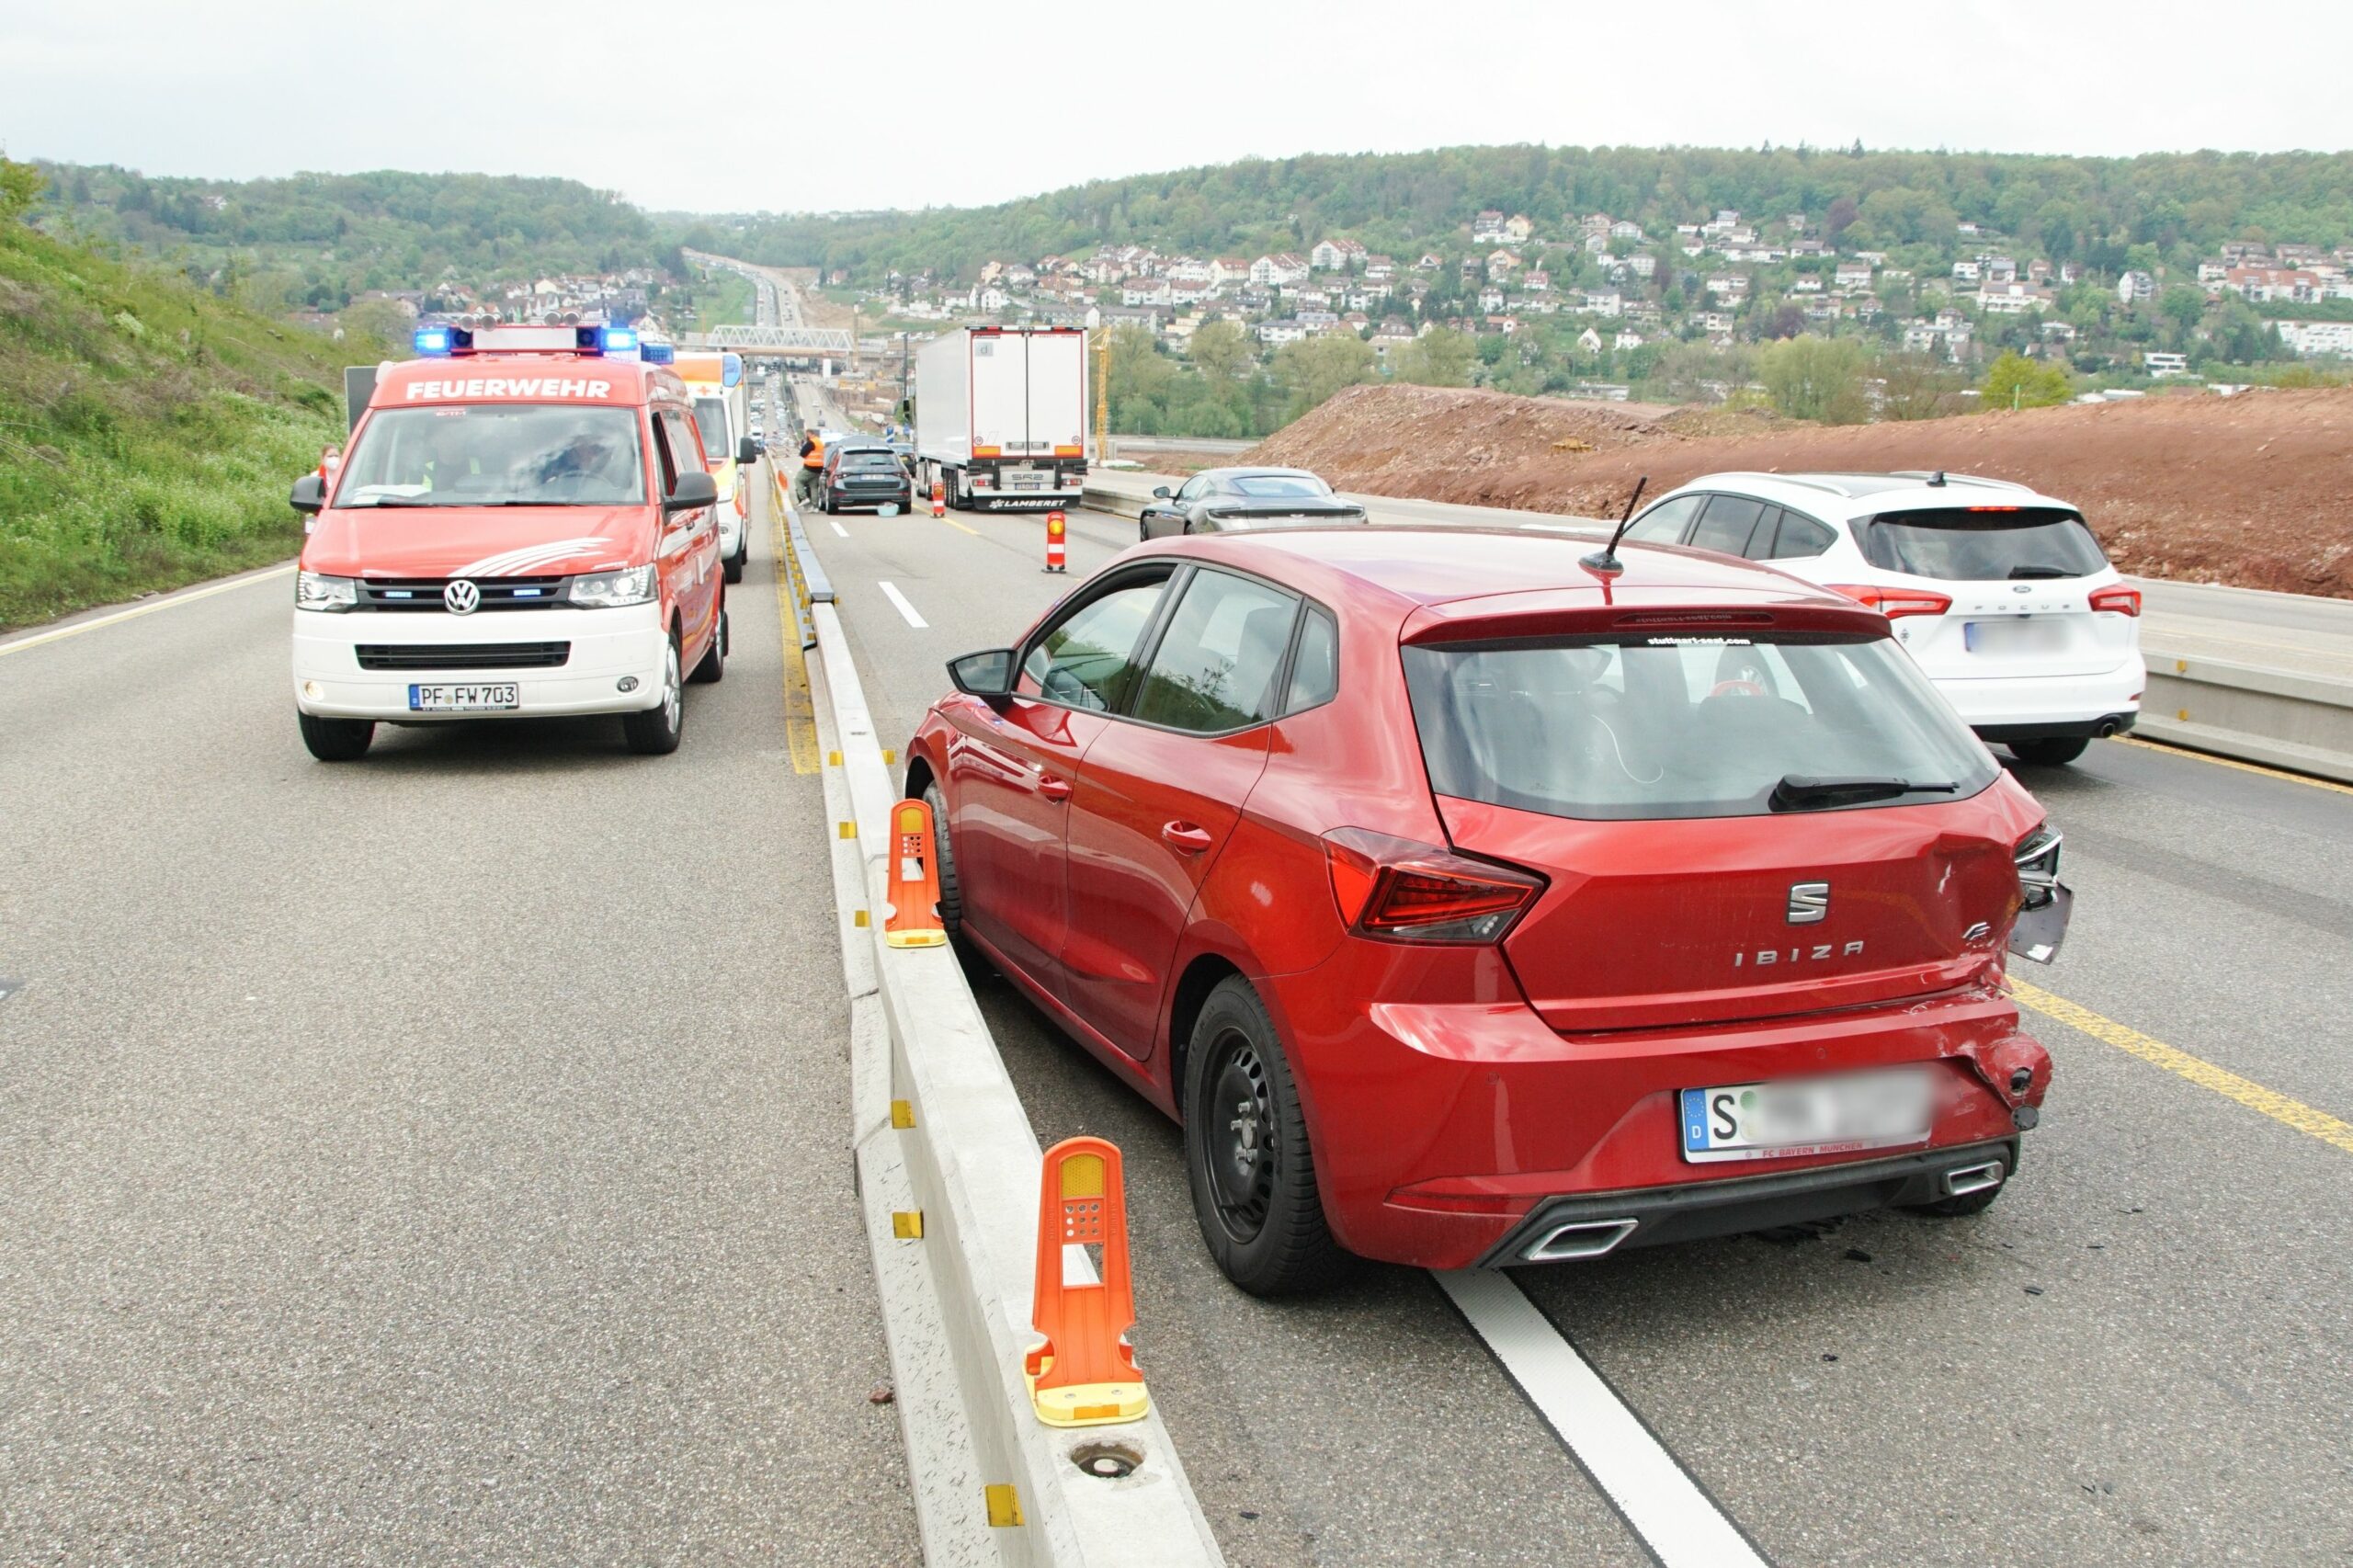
[[148, 431]]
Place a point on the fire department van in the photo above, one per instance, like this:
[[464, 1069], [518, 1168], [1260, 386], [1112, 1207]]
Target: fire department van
[[523, 526], [723, 416]]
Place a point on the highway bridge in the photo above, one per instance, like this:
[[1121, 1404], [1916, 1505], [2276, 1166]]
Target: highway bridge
[[449, 1158]]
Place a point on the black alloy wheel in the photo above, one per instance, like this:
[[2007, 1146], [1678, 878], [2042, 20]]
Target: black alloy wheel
[[1247, 1152]]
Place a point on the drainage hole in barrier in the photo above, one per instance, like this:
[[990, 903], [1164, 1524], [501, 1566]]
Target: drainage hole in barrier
[[1107, 1461]]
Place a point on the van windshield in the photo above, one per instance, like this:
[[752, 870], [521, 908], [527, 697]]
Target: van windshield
[[711, 419], [1635, 728], [1982, 544], [478, 454]]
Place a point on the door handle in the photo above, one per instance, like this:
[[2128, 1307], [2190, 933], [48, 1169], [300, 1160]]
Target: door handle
[[1185, 837], [1053, 789]]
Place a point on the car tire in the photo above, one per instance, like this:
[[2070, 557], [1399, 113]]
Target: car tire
[[1246, 1154], [656, 731], [733, 568], [2054, 753], [951, 891], [1143, 531], [336, 740], [713, 667]]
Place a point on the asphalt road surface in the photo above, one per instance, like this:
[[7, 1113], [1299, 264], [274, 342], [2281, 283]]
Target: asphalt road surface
[[442, 1158], [2137, 1356]]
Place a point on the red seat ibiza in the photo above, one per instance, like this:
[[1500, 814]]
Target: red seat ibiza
[[1473, 904]]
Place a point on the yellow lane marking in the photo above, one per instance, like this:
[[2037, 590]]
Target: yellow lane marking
[[2252, 1094], [966, 527], [79, 627], [2234, 762], [800, 708]]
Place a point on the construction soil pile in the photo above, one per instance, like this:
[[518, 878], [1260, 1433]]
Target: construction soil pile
[[2255, 490]]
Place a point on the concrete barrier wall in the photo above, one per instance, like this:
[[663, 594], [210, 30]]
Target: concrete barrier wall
[[2279, 718], [940, 1132]]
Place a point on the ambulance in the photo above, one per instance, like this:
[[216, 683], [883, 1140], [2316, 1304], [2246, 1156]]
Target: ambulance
[[523, 526], [724, 415]]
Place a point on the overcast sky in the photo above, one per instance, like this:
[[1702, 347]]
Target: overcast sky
[[910, 103]]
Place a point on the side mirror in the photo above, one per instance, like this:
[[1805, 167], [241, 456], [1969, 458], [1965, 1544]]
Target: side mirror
[[988, 676], [1160, 493], [694, 489], [309, 496], [747, 452]]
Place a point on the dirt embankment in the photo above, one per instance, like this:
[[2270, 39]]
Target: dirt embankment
[[2254, 490]]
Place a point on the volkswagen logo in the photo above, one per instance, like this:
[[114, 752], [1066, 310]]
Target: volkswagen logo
[[461, 597], [1809, 902]]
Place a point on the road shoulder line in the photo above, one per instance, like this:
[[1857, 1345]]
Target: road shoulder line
[[1677, 1523], [145, 607]]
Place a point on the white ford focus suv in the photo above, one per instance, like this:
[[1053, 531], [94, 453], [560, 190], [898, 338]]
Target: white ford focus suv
[[2002, 595]]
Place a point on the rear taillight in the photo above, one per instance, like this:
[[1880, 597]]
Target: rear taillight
[[1405, 892], [2118, 601], [1894, 602]]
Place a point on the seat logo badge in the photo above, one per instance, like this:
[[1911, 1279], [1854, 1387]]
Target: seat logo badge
[[1809, 902], [462, 598]]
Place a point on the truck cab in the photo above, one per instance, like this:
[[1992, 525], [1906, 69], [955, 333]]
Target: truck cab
[[523, 526]]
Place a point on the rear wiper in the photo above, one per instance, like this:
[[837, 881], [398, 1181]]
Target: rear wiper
[[2039, 571], [1804, 791]]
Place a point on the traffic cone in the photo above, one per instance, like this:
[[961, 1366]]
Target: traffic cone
[[913, 885], [1055, 529], [939, 498], [1084, 1374]]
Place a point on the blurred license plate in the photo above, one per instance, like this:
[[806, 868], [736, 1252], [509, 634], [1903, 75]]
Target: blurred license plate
[[1808, 1116], [462, 699], [2019, 636]]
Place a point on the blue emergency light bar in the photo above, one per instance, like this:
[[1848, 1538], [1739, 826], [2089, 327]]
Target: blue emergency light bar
[[442, 339], [658, 353]]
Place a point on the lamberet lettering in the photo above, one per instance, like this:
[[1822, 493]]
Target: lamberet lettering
[[510, 386]]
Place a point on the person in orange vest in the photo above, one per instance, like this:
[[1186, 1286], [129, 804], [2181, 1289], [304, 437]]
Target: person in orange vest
[[812, 463]]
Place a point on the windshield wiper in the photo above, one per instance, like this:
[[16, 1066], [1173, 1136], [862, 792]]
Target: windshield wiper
[[1806, 792], [2040, 572], [399, 501]]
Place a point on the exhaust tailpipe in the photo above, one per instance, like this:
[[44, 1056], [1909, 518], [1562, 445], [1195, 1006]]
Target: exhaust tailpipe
[[1967, 1179], [1585, 1239]]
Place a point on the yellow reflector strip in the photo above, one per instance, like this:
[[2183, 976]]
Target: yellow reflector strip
[[1004, 1505], [1083, 1176], [907, 1225], [903, 1113]]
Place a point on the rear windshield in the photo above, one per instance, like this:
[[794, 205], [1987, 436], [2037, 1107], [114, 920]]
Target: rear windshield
[[870, 459], [1646, 728], [1981, 544], [496, 454], [1278, 486]]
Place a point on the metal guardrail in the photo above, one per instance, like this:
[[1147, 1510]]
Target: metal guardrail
[[944, 1148]]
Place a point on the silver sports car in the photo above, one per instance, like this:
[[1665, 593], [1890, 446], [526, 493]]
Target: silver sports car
[[1219, 500]]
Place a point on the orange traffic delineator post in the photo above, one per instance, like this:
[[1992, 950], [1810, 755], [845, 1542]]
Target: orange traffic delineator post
[[939, 498], [915, 880], [1084, 1374], [1056, 531]]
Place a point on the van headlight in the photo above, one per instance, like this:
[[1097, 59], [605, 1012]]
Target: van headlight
[[610, 590], [316, 590]]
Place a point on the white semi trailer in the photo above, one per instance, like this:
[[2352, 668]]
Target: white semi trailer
[[1001, 416]]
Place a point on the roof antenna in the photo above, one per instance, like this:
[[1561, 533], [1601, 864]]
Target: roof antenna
[[1606, 559], [1937, 479]]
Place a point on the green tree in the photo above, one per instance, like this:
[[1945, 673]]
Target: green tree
[[2183, 305], [1313, 369], [20, 187], [2015, 381], [1222, 349], [1436, 358], [1816, 378]]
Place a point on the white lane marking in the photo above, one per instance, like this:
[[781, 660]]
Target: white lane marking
[[1679, 1523], [891, 592], [38, 637], [837, 528]]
